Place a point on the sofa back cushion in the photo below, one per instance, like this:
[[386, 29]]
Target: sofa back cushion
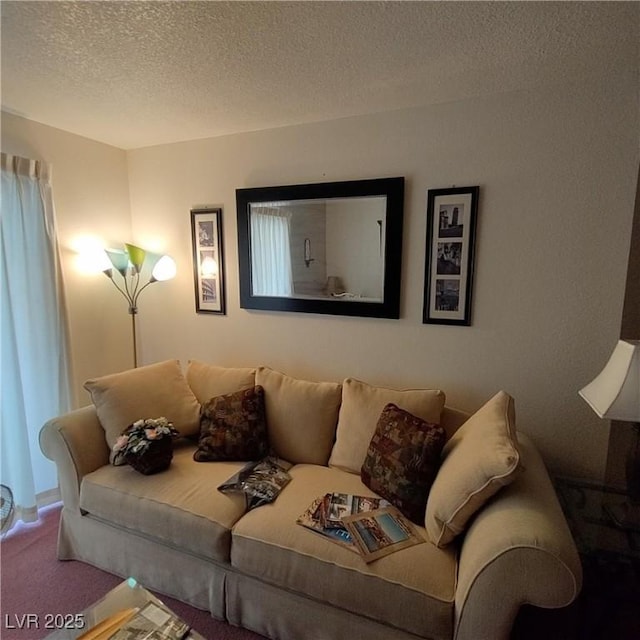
[[301, 416], [209, 381], [146, 392], [480, 458], [452, 419], [362, 405]]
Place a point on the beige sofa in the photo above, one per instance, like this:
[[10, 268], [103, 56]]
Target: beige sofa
[[503, 540]]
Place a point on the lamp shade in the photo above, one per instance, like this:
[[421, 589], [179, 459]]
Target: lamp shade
[[615, 393], [136, 256], [164, 269], [119, 259]]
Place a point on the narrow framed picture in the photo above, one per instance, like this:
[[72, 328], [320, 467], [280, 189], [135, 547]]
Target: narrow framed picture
[[208, 260], [449, 257]]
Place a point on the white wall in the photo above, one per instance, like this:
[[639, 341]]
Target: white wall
[[557, 172], [355, 245], [91, 196]]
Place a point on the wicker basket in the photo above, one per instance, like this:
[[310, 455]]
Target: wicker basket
[[156, 457]]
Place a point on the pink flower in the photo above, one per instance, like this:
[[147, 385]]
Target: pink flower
[[121, 443], [151, 434]]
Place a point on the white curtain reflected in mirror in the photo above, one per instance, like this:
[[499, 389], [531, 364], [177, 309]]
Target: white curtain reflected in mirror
[[326, 249], [271, 272]]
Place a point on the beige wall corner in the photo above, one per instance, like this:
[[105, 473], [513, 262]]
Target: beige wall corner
[[91, 197]]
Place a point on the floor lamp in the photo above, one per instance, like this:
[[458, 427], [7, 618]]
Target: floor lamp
[[129, 263], [615, 395]]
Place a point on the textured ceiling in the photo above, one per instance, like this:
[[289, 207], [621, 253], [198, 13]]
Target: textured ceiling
[[135, 74]]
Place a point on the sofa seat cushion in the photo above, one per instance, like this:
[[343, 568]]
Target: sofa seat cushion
[[412, 589], [180, 507]]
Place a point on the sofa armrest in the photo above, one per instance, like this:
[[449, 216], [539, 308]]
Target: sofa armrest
[[75, 441], [518, 550]]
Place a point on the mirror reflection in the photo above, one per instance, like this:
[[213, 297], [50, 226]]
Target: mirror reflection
[[329, 249]]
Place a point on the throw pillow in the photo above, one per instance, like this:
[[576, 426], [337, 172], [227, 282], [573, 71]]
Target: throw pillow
[[403, 460], [361, 407], [301, 416], [208, 381], [154, 390], [480, 458], [233, 427]]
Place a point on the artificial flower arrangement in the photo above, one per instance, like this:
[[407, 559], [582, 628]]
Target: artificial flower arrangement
[[146, 445]]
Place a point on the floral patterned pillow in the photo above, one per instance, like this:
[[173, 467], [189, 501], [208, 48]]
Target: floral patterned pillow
[[233, 427], [403, 459]]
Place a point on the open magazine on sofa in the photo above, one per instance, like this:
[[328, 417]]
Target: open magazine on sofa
[[380, 532], [369, 526], [261, 481], [324, 515]]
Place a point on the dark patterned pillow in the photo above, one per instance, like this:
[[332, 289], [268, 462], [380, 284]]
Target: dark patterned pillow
[[403, 459], [233, 427]]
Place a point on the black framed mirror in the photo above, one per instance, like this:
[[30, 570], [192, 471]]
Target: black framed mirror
[[332, 247]]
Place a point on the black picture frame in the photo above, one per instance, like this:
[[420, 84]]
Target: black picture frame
[[392, 189], [450, 255], [208, 260]]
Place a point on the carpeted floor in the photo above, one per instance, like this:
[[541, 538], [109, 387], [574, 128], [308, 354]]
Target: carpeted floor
[[34, 582]]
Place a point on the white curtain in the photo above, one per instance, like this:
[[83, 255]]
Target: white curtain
[[271, 272], [34, 373]]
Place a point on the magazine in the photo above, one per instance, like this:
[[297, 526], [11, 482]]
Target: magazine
[[261, 481], [105, 628], [346, 504], [152, 622], [313, 519], [324, 515], [381, 532]]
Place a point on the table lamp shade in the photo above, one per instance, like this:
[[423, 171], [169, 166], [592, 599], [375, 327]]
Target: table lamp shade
[[615, 393]]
